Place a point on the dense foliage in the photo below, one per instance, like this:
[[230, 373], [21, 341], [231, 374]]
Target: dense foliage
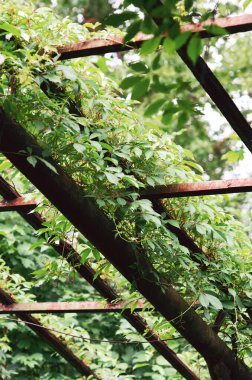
[[82, 119]]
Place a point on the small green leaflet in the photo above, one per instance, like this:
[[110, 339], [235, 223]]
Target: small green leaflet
[[10, 29], [154, 107], [48, 164], [194, 48], [139, 67], [150, 46], [208, 299], [140, 88], [79, 147], [69, 72], [111, 178], [32, 160], [117, 19], [216, 30], [129, 82], [173, 223]]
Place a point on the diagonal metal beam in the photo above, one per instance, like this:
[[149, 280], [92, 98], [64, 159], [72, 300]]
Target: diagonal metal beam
[[49, 337], [84, 214], [18, 204], [106, 291], [198, 188], [68, 307], [109, 44], [220, 97]]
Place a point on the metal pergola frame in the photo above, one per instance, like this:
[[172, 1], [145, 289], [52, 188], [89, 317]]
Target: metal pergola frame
[[68, 198]]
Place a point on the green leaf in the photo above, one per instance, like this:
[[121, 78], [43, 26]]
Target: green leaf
[[84, 255], [117, 19], [69, 72], [5, 165], [194, 48], [32, 160], [132, 30], [48, 164], [139, 67], [79, 147], [140, 88], [181, 39], [10, 29], [173, 223], [233, 156], [169, 45], [216, 30], [131, 181], [214, 301], [246, 4], [204, 300], [154, 107], [188, 5], [129, 82], [111, 178], [150, 46]]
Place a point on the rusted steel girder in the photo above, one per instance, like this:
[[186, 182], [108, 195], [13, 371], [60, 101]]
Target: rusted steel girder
[[128, 258], [198, 188], [106, 291], [220, 97], [18, 204], [111, 43], [48, 336], [68, 307]]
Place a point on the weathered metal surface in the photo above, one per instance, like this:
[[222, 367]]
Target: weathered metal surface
[[84, 214], [18, 204], [49, 337], [85, 271], [198, 188], [220, 97], [68, 307], [112, 43]]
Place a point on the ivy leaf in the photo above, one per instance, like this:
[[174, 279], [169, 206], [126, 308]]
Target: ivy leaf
[[10, 29], [181, 39], [188, 5], [214, 301], [118, 19], [154, 107], [204, 301], [169, 45], [216, 30], [111, 178], [48, 164], [246, 4], [150, 46], [132, 30], [194, 48], [173, 223], [32, 160], [139, 67], [69, 72], [79, 147], [131, 181], [129, 82], [140, 88]]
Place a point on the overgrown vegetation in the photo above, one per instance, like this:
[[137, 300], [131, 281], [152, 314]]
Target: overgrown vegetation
[[81, 118]]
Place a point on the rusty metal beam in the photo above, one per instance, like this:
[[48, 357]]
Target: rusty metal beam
[[97, 46], [220, 97], [198, 188], [85, 215], [48, 336], [18, 204], [106, 291], [68, 307]]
